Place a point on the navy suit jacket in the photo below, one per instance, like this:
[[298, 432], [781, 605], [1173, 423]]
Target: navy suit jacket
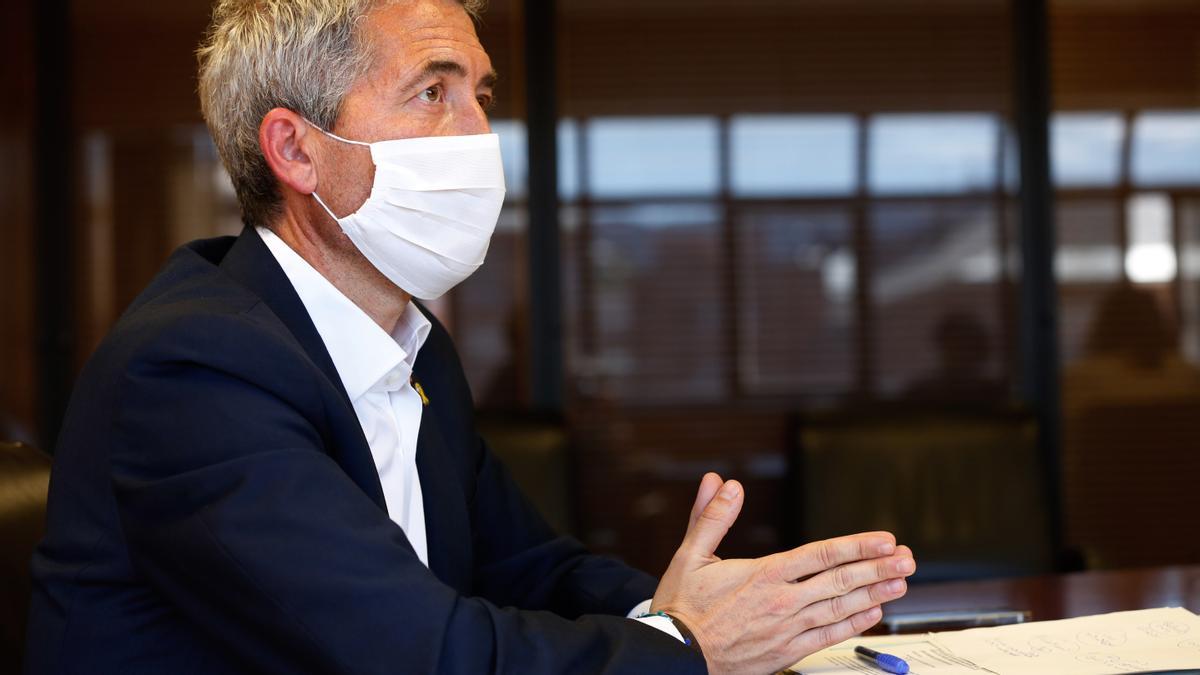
[[214, 508]]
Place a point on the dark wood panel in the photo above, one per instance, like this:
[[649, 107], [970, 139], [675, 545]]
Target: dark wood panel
[[766, 57], [137, 68], [1129, 474], [802, 57], [17, 348], [1125, 57], [659, 58], [137, 74]]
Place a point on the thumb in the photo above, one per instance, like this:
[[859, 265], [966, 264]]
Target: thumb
[[709, 528], [708, 489]]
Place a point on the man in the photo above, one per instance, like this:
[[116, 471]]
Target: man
[[270, 464]]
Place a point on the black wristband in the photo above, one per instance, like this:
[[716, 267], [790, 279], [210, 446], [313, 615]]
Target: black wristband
[[689, 638]]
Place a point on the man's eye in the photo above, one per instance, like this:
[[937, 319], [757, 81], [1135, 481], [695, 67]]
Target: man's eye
[[431, 94], [485, 102]]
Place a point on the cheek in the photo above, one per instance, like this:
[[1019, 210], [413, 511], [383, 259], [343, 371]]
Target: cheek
[[363, 175], [351, 179]]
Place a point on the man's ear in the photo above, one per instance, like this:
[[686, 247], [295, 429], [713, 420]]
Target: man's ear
[[287, 141]]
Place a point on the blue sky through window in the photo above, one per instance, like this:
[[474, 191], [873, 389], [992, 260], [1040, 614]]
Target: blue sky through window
[[816, 155], [932, 153], [789, 155], [1166, 148]]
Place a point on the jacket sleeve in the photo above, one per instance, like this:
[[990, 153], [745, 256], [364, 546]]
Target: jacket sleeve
[[234, 512]]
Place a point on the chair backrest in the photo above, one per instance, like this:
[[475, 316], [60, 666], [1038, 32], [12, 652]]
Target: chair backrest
[[964, 489], [534, 449], [1130, 474], [24, 479]]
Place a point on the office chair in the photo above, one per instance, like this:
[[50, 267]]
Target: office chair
[[24, 479], [965, 489]]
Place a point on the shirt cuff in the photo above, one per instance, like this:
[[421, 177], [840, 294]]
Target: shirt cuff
[[640, 608], [660, 622]]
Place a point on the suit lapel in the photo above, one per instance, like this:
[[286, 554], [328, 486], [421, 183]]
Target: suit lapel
[[251, 264], [447, 523]]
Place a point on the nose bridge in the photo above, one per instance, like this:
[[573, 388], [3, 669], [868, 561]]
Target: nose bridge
[[470, 118]]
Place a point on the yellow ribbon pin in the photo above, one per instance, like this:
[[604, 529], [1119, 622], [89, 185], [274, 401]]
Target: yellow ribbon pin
[[420, 391]]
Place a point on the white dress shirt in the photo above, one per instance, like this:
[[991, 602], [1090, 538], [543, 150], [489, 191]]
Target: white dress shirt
[[376, 370]]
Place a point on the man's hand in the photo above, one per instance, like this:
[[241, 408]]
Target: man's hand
[[764, 615]]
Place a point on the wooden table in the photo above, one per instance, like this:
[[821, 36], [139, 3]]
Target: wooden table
[[1062, 596]]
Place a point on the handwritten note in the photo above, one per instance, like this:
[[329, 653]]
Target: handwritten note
[[1122, 642]]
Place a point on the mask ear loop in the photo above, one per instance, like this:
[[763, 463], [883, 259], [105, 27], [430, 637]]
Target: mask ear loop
[[336, 138], [327, 209]]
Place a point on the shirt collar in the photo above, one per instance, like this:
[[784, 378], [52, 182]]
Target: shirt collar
[[366, 357]]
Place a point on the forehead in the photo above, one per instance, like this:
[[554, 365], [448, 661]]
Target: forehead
[[406, 34]]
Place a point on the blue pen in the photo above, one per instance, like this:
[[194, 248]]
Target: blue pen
[[889, 663]]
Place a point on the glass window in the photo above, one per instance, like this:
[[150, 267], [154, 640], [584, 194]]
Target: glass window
[[1012, 161], [1087, 263], [660, 156], [1166, 148], [1088, 250], [1151, 255], [1189, 272], [932, 153], [568, 159], [655, 277], [1085, 148], [514, 154], [937, 311], [796, 316], [781, 155], [486, 317]]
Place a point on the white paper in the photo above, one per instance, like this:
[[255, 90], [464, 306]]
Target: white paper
[[1122, 642], [919, 651]]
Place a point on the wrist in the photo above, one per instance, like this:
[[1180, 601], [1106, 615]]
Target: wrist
[[686, 634]]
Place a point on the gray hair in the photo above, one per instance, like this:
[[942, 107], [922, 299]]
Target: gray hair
[[302, 55]]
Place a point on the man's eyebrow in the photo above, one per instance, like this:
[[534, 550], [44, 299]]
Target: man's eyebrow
[[449, 68]]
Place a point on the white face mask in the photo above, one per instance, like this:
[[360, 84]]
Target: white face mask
[[432, 209]]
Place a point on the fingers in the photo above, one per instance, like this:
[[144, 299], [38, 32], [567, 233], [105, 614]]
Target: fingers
[[708, 489], [714, 521], [845, 578], [811, 641], [823, 555], [837, 608]]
